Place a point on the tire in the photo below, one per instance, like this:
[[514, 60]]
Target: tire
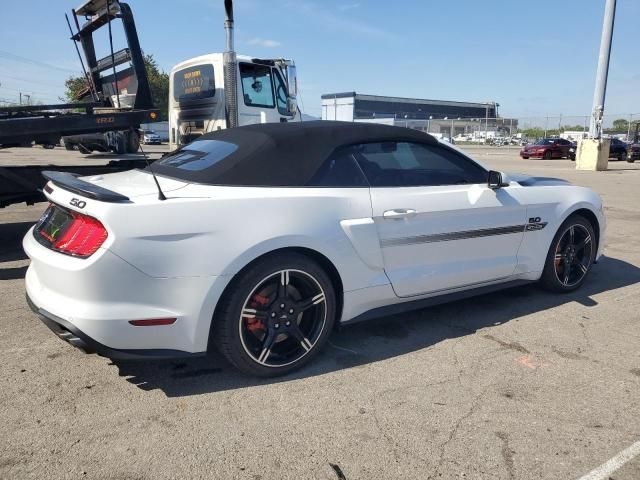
[[133, 142], [547, 155], [555, 276], [69, 146], [84, 150], [525, 158], [260, 337], [121, 143]]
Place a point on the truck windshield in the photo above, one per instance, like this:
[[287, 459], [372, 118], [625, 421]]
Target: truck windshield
[[194, 83]]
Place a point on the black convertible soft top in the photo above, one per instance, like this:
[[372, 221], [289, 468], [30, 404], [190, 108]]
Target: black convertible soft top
[[273, 154]]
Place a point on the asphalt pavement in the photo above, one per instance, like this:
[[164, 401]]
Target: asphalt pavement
[[521, 384]]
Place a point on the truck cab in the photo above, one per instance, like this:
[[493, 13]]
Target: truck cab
[[266, 92]]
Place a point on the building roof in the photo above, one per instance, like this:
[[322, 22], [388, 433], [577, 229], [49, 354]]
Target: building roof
[[381, 98]]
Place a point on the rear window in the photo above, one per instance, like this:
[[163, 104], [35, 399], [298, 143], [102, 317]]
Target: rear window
[[194, 83], [199, 155]]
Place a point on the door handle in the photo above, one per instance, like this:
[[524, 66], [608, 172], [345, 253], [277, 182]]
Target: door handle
[[399, 213]]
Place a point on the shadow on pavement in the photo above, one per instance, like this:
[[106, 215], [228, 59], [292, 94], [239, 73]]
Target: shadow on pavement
[[11, 241], [384, 338]]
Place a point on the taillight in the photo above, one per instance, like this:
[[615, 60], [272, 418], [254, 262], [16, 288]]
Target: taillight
[[70, 232], [82, 238]]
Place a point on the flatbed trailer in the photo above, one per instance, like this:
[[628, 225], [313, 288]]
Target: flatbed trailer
[[100, 111]]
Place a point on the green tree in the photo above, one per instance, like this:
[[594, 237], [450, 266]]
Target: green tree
[[620, 125], [159, 84], [78, 87]]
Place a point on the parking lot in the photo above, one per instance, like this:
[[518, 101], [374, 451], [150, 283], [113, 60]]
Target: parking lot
[[521, 384]]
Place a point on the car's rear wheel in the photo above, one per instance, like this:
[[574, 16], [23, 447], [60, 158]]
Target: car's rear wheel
[[547, 155], [570, 256], [276, 316]]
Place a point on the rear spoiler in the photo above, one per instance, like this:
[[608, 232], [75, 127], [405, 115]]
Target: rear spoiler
[[72, 183]]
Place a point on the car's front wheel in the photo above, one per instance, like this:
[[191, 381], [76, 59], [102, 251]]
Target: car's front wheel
[[276, 316], [547, 155], [570, 256]]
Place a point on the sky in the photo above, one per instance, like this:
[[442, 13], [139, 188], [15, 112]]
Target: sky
[[535, 57]]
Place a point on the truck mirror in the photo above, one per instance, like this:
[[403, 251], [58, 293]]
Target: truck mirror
[[292, 106]]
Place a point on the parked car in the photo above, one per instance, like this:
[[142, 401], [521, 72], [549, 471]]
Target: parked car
[[547, 148], [258, 240], [618, 149], [149, 137]]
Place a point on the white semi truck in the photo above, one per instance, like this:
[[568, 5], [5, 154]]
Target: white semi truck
[[223, 90]]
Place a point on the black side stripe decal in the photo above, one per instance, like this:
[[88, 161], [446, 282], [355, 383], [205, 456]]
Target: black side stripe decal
[[446, 237]]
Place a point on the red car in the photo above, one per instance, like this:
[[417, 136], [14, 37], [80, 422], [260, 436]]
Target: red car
[[547, 148]]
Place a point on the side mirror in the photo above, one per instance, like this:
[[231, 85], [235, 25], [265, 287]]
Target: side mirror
[[292, 106], [496, 180]]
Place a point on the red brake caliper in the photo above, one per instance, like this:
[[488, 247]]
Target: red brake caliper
[[257, 301]]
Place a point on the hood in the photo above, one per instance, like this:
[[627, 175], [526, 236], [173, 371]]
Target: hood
[[135, 183], [529, 181]]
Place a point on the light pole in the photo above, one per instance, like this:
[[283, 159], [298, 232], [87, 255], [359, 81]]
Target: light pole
[[546, 124], [595, 130], [629, 126]]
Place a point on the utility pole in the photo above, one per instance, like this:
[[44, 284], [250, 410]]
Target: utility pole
[[629, 126], [546, 125], [486, 123], [595, 130], [559, 124]]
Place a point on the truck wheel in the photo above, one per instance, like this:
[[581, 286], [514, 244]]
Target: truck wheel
[[133, 142], [121, 143], [69, 146], [84, 150]]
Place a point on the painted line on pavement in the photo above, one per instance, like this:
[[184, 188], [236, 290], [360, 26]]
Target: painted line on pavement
[[610, 466]]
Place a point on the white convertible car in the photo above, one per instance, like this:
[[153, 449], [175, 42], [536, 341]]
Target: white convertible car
[[259, 240]]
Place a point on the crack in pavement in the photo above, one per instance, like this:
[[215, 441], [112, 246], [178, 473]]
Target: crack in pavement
[[509, 345], [507, 454]]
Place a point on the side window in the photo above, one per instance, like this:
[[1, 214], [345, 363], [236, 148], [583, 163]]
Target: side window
[[339, 170], [257, 88], [403, 164], [281, 94]]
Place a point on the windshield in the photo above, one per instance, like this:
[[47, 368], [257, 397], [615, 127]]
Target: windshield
[[545, 141], [149, 132], [194, 83], [198, 155]]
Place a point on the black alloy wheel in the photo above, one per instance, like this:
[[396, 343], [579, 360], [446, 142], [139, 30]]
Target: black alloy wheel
[[571, 255], [547, 155], [277, 317], [282, 318]]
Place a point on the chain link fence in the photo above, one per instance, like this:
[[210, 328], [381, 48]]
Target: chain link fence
[[518, 130]]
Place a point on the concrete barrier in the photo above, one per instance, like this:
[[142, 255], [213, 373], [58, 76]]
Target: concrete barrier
[[593, 154]]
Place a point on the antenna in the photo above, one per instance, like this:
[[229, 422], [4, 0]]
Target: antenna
[[161, 195]]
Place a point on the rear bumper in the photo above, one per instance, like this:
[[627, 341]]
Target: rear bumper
[[71, 334], [95, 299]]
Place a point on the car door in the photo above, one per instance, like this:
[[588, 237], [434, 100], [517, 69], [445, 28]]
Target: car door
[[439, 226], [565, 145]]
